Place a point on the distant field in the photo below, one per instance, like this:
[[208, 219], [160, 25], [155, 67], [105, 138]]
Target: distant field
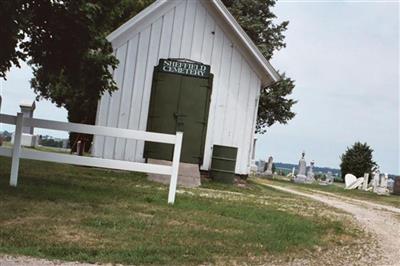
[[338, 188], [40, 148]]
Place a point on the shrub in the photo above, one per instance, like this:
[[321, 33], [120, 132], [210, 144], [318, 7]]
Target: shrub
[[357, 160]]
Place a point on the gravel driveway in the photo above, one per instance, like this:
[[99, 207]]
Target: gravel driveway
[[380, 220]]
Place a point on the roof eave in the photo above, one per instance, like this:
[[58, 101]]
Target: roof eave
[[273, 75], [136, 19], [267, 74]]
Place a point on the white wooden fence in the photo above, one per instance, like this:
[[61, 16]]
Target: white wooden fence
[[16, 152]]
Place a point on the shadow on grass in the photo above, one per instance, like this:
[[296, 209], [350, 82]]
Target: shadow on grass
[[85, 214]]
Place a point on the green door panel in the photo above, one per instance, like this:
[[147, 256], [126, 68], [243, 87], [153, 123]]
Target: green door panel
[[163, 103], [193, 106], [179, 103]]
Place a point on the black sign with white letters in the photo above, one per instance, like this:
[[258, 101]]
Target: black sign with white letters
[[184, 67]]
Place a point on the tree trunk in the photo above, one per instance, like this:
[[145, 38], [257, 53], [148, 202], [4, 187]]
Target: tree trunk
[[77, 115]]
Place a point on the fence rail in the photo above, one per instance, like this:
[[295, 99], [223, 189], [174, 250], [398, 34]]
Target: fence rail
[[16, 152]]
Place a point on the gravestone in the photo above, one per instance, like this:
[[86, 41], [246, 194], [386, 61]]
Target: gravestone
[[302, 165], [260, 166], [352, 182], [291, 174], [349, 179], [390, 185], [379, 183], [310, 174], [329, 179], [381, 188], [375, 180], [384, 180], [396, 186], [268, 171], [253, 166], [301, 177], [366, 180]]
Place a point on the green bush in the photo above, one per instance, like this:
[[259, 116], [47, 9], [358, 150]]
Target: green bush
[[357, 160]]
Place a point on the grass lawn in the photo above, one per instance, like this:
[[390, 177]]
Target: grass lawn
[[92, 215], [338, 188]]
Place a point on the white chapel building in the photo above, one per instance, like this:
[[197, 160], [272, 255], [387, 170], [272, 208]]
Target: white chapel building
[[184, 65]]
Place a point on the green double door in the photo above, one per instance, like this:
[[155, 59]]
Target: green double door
[[179, 103]]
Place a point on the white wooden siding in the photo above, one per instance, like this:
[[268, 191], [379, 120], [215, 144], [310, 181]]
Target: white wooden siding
[[113, 108], [184, 29]]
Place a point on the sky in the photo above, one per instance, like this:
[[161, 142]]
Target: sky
[[344, 57]]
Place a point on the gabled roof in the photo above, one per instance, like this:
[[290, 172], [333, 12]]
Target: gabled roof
[[266, 72]]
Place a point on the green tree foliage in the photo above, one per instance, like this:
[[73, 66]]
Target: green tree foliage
[[357, 160], [274, 106], [10, 36], [64, 41], [257, 20]]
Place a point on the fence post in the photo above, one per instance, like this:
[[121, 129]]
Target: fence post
[[16, 150], [175, 167]]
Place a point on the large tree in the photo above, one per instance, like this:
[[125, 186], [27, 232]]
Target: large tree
[[64, 41], [357, 160], [257, 20]]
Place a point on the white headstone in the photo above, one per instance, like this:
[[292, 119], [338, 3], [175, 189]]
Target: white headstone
[[260, 166], [384, 179], [390, 185], [365, 184], [329, 179], [302, 166], [356, 183], [310, 174], [268, 172], [301, 172], [349, 179], [375, 180], [253, 166], [381, 187]]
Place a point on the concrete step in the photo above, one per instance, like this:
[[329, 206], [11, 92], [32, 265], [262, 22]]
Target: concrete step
[[189, 174]]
